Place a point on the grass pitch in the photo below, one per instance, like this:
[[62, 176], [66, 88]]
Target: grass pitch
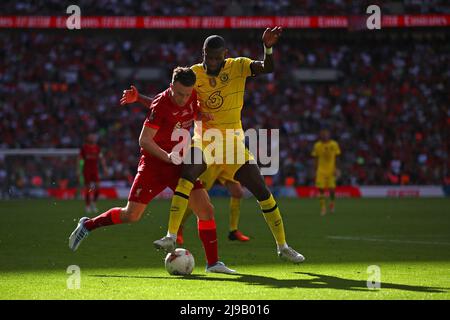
[[408, 239]]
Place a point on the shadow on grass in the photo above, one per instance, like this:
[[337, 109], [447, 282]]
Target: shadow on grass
[[318, 281]]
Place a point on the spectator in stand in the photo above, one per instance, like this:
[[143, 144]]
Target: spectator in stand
[[389, 107]]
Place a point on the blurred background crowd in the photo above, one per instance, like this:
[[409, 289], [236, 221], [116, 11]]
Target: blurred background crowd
[[387, 104], [222, 7]]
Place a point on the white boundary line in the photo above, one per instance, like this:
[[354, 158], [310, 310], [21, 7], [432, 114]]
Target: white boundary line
[[388, 240]]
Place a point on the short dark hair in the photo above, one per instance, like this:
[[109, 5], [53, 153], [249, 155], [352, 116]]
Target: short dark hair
[[214, 42], [184, 75]]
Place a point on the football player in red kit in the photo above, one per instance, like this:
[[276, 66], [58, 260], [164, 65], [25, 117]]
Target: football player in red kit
[[91, 155], [159, 167]]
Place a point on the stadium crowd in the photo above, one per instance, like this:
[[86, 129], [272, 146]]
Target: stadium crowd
[[222, 7], [388, 108]]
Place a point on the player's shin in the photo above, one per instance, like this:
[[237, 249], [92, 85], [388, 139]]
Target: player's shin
[[235, 212], [179, 205], [322, 201], [273, 219], [110, 217], [186, 216], [208, 235]]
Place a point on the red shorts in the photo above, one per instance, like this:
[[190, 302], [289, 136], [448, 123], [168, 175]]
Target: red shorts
[[151, 181], [90, 176]]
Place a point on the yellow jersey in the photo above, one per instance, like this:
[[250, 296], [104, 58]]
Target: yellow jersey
[[223, 95], [326, 153]]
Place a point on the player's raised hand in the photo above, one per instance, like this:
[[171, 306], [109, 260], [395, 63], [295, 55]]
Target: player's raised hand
[[175, 158], [270, 36], [129, 96]]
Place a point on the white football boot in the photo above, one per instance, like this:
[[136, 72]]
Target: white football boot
[[165, 243], [291, 255], [220, 267], [78, 234]]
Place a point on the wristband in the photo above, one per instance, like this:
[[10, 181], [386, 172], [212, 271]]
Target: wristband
[[267, 50]]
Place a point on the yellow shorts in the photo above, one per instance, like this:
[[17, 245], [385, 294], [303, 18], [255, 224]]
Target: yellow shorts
[[223, 160], [325, 181], [212, 174]]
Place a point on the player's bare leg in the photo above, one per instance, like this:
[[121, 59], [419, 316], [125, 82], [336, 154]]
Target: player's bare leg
[[236, 192], [131, 213], [323, 205], [250, 176], [201, 205], [332, 197]]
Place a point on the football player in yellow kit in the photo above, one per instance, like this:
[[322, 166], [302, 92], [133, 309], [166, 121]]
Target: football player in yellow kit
[[220, 89], [325, 153]]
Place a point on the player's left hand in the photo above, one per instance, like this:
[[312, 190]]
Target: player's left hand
[[270, 36], [337, 173], [129, 96], [175, 158]]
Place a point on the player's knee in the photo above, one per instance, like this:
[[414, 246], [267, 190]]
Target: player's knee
[[193, 171], [132, 215]]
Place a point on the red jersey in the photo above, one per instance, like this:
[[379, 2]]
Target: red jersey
[[166, 116], [90, 153]]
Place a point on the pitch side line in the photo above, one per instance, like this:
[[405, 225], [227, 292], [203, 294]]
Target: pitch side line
[[388, 240]]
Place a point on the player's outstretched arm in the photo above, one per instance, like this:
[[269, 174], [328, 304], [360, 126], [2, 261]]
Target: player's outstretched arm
[[132, 95], [269, 38]]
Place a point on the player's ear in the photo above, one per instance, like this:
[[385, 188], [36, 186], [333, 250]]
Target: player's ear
[[225, 54]]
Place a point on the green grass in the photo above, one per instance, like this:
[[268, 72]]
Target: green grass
[[409, 239]]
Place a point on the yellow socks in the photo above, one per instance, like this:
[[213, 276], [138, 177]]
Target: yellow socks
[[273, 219], [179, 204], [186, 215], [235, 212], [322, 202]]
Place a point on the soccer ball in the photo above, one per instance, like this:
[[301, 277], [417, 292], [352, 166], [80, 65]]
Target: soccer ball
[[180, 262]]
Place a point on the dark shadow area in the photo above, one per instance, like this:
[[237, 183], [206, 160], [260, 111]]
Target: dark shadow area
[[318, 281]]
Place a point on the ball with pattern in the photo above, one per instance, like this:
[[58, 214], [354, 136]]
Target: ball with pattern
[[180, 262]]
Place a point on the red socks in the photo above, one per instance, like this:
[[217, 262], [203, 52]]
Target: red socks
[[208, 236], [112, 216]]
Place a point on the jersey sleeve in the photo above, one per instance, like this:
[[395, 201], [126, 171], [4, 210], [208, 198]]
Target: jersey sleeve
[[244, 66], [314, 151], [155, 117], [337, 149]]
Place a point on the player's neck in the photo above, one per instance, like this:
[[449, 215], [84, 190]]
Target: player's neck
[[214, 74]]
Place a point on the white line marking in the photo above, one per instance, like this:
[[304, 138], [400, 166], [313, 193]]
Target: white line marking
[[388, 240]]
